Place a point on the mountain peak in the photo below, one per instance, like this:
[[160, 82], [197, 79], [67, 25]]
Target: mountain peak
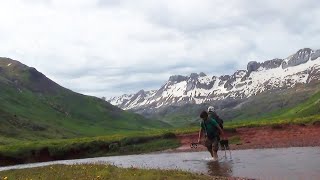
[[259, 77], [202, 74], [177, 78], [23, 76], [300, 57], [194, 75]]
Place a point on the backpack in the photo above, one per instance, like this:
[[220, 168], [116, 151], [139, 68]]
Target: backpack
[[214, 116]]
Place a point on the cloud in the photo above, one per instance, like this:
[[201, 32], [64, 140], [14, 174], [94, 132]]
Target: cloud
[[111, 47]]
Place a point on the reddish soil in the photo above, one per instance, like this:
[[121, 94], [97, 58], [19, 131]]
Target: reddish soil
[[264, 137]]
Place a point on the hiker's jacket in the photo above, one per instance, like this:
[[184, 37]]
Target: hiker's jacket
[[210, 128]]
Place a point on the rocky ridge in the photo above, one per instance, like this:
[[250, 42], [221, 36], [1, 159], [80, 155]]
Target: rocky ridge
[[303, 67]]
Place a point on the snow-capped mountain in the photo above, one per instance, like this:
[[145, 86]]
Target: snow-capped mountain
[[132, 100], [302, 67]]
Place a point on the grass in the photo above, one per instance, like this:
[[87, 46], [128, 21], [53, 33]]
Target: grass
[[307, 112], [24, 152], [95, 172], [271, 122], [32, 107], [234, 140], [28, 115]]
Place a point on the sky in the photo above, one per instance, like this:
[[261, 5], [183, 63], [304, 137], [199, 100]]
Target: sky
[[111, 47]]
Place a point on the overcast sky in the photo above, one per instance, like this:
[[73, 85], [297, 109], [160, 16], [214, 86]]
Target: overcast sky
[[111, 47]]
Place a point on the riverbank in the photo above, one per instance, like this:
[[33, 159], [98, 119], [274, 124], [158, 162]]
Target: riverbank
[[51, 150], [271, 136], [275, 136]]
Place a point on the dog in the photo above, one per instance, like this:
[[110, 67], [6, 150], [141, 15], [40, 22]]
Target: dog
[[224, 145]]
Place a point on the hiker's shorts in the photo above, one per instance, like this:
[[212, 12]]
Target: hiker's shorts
[[212, 144]]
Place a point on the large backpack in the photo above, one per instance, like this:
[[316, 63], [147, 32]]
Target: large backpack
[[215, 116]]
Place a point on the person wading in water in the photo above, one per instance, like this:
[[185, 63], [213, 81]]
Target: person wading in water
[[212, 132]]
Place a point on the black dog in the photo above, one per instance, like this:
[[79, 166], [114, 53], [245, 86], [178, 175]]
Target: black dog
[[224, 144]]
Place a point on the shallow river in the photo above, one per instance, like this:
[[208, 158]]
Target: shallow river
[[282, 163]]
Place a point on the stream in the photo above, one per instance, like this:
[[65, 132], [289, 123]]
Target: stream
[[281, 163]]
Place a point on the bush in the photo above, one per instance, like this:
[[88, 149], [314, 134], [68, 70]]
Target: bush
[[113, 147], [169, 135], [136, 140]]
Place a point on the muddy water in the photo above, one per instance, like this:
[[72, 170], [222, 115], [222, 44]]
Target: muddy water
[[283, 163]]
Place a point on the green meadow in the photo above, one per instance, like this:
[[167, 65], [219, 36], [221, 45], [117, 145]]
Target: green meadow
[[96, 172]]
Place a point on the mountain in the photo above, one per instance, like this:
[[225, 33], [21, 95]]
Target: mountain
[[277, 81], [34, 107]]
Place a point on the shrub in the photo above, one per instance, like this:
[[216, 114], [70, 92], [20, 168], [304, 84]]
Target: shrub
[[169, 135]]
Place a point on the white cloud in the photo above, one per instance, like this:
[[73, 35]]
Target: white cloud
[[109, 47]]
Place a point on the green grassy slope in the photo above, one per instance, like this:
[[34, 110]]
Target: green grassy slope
[[305, 112], [309, 108], [34, 107]]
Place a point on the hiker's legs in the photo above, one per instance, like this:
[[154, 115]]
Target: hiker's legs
[[215, 147], [208, 144], [210, 150]]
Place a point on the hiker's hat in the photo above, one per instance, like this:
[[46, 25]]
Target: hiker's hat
[[210, 109]]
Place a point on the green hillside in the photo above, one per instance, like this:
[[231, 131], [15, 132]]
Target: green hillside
[[308, 108], [306, 112], [34, 107]]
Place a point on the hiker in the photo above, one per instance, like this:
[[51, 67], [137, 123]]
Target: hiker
[[213, 115], [212, 132]]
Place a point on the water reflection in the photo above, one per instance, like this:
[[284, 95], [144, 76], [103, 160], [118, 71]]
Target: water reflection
[[216, 168]]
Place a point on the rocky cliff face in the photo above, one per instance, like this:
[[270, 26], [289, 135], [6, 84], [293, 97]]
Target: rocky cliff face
[[303, 67]]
